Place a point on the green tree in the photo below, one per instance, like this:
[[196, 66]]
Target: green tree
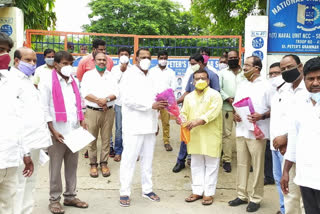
[[38, 14], [225, 17], [143, 17]]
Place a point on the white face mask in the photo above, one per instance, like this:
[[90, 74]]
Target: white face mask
[[49, 61], [276, 81], [195, 67], [123, 59], [145, 64], [222, 66], [162, 62], [67, 70]]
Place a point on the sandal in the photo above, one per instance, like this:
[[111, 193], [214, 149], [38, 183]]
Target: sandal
[[105, 170], [124, 201], [193, 198], [151, 196], [56, 208], [117, 158], [94, 171], [168, 147], [76, 202], [207, 200]]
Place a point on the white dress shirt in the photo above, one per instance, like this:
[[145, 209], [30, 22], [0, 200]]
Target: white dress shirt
[[36, 134], [99, 86], [41, 70], [166, 78], [45, 87], [303, 147], [11, 125], [185, 78], [118, 74], [138, 95], [259, 92]]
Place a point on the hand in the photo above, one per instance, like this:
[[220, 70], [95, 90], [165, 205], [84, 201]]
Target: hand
[[254, 117], [59, 137], [102, 102], [159, 105], [283, 149], [230, 100], [280, 141], [28, 169], [195, 123], [284, 183], [123, 67], [83, 124], [236, 117], [178, 121]]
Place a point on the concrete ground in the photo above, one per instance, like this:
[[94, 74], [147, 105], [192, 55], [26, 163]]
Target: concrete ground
[[102, 194]]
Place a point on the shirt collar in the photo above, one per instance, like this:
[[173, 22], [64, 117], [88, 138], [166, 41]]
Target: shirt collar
[[166, 68], [61, 79], [139, 71], [19, 73]]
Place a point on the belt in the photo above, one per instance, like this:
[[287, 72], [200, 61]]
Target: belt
[[98, 109]]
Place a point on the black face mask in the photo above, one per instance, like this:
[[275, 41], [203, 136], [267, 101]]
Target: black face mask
[[290, 75], [233, 63]]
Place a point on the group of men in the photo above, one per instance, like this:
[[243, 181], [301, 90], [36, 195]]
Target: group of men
[[45, 105]]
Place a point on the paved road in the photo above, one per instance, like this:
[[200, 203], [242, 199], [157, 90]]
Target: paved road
[[103, 196]]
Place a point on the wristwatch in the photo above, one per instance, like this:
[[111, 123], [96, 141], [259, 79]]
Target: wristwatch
[[108, 99]]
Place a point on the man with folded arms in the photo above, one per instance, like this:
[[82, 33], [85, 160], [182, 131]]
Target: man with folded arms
[[99, 89], [62, 103]]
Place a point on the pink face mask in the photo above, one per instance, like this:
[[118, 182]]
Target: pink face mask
[[4, 61], [206, 58]]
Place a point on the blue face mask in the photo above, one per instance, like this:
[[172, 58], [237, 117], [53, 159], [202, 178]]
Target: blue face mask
[[315, 97], [26, 68]]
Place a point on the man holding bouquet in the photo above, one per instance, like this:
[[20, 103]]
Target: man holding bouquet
[[250, 147], [202, 115]]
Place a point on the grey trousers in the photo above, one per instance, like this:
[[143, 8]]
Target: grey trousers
[[59, 152]]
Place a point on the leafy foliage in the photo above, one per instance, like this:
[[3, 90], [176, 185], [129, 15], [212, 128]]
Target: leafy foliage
[[225, 17], [143, 17], [38, 14]]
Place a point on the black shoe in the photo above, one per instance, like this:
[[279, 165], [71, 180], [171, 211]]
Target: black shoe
[[252, 207], [268, 181], [227, 167], [236, 202], [112, 153], [251, 169], [178, 167]]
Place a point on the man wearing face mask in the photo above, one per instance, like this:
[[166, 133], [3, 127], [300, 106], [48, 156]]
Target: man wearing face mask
[[62, 103], [196, 63], [293, 91], [251, 150], [201, 113], [87, 63], [35, 132], [99, 89], [166, 79], [303, 139], [277, 127], [118, 71], [223, 63], [229, 79], [13, 148], [46, 68], [205, 52], [140, 124]]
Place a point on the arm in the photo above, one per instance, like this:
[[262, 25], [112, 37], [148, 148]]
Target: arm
[[214, 110], [173, 82], [181, 99], [214, 82], [81, 69], [285, 177]]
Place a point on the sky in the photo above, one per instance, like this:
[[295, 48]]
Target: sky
[[72, 14]]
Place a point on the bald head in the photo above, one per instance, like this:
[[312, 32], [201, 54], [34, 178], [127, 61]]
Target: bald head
[[25, 54]]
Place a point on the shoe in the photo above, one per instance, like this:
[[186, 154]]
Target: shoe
[[168, 147], [227, 167], [268, 182], [178, 167], [105, 170], [251, 169], [112, 153], [236, 202], [86, 155], [279, 212], [94, 171], [252, 207]]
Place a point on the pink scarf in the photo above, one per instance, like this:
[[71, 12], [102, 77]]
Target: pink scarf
[[58, 100]]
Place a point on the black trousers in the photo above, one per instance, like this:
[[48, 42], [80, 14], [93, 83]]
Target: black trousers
[[311, 200], [268, 171]]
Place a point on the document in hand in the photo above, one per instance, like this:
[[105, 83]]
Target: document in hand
[[78, 139], [247, 103]]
